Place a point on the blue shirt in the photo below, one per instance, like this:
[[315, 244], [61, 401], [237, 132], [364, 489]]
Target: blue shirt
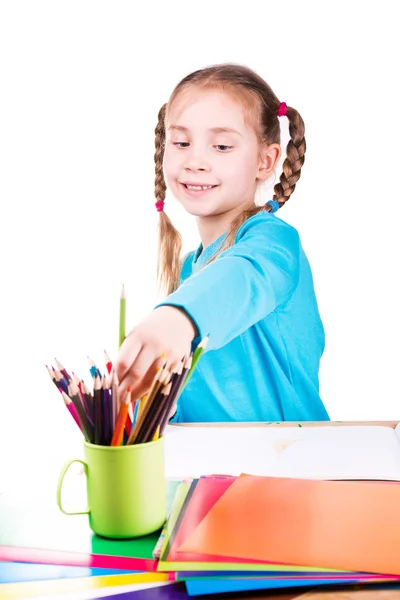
[[256, 301]]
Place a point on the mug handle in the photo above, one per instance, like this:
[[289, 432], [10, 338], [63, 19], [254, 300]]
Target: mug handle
[[60, 483]]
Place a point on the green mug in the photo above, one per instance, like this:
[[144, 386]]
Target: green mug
[[126, 488]]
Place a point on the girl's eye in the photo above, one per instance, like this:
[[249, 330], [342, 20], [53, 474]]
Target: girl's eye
[[224, 147], [220, 147]]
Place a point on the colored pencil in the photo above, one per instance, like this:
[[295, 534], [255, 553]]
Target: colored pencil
[[114, 398], [87, 427], [120, 424], [149, 428], [196, 357], [51, 373], [176, 379], [128, 424], [108, 362], [69, 404], [171, 405], [59, 386], [61, 382], [88, 399], [158, 382], [62, 370], [152, 408], [79, 383], [122, 316], [93, 368], [97, 410], [107, 431]]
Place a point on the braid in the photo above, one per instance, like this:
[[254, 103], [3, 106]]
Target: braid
[[160, 187], [294, 161], [169, 238]]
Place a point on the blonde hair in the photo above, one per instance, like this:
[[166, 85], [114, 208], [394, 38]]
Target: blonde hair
[[260, 108]]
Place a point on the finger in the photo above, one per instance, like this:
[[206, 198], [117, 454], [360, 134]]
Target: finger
[[172, 362], [140, 372], [127, 354], [146, 383]]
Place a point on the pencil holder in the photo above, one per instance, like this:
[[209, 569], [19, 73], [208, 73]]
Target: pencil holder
[[126, 488]]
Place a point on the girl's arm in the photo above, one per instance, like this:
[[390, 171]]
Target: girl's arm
[[244, 284]]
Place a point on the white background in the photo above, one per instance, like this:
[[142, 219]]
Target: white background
[[81, 86]]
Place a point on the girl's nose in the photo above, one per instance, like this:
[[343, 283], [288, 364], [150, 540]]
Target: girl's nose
[[196, 161]]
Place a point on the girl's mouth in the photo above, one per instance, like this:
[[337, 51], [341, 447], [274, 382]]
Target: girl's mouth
[[197, 190]]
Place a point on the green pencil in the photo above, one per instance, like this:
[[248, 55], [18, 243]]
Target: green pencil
[[122, 316], [196, 357]]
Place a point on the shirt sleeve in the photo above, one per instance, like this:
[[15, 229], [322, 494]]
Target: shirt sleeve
[[244, 284]]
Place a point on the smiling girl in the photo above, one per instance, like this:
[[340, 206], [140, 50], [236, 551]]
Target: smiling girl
[[248, 286]]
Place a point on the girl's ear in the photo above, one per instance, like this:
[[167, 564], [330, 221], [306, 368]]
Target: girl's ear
[[269, 158]]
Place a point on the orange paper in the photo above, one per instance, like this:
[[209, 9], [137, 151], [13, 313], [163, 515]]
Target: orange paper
[[349, 525]]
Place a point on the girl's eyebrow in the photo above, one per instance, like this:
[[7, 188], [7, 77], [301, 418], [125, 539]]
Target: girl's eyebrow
[[212, 129]]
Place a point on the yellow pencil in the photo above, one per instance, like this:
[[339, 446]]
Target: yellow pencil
[[160, 379]]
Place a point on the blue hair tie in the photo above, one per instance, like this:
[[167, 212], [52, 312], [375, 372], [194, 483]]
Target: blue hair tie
[[274, 205]]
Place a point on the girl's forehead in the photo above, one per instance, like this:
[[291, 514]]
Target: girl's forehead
[[206, 108]]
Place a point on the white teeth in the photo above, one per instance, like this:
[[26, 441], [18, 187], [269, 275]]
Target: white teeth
[[199, 187]]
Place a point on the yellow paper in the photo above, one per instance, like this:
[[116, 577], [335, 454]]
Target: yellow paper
[[13, 591]]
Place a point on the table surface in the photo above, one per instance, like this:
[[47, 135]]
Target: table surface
[[342, 593]]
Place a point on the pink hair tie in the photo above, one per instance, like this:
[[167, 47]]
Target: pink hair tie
[[159, 205], [282, 109]]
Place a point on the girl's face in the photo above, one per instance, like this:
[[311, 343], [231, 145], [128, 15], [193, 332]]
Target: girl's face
[[212, 159]]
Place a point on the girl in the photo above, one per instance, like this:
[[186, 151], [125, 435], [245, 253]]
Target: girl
[[248, 286]]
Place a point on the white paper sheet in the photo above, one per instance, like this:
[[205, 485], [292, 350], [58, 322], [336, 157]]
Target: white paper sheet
[[348, 452]]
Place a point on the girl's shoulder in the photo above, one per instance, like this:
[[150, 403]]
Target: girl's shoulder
[[268, 226]]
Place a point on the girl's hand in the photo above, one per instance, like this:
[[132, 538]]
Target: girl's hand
[[167, 331]]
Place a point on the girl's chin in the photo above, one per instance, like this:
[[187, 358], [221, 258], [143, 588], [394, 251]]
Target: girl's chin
[[197, 208]]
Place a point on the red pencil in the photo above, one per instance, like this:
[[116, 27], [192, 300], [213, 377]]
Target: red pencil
[[108, 362]]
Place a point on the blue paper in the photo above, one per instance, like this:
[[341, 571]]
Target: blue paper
[[15, 572], [208, 586]]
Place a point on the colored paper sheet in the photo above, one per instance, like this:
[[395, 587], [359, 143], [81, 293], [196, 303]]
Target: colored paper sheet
[[14, 572], [218, 586], [188, 575], [11, 591], [174, 591], [339, 524], [178, 591], [193, 503], [45, 535], [73, 559]]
